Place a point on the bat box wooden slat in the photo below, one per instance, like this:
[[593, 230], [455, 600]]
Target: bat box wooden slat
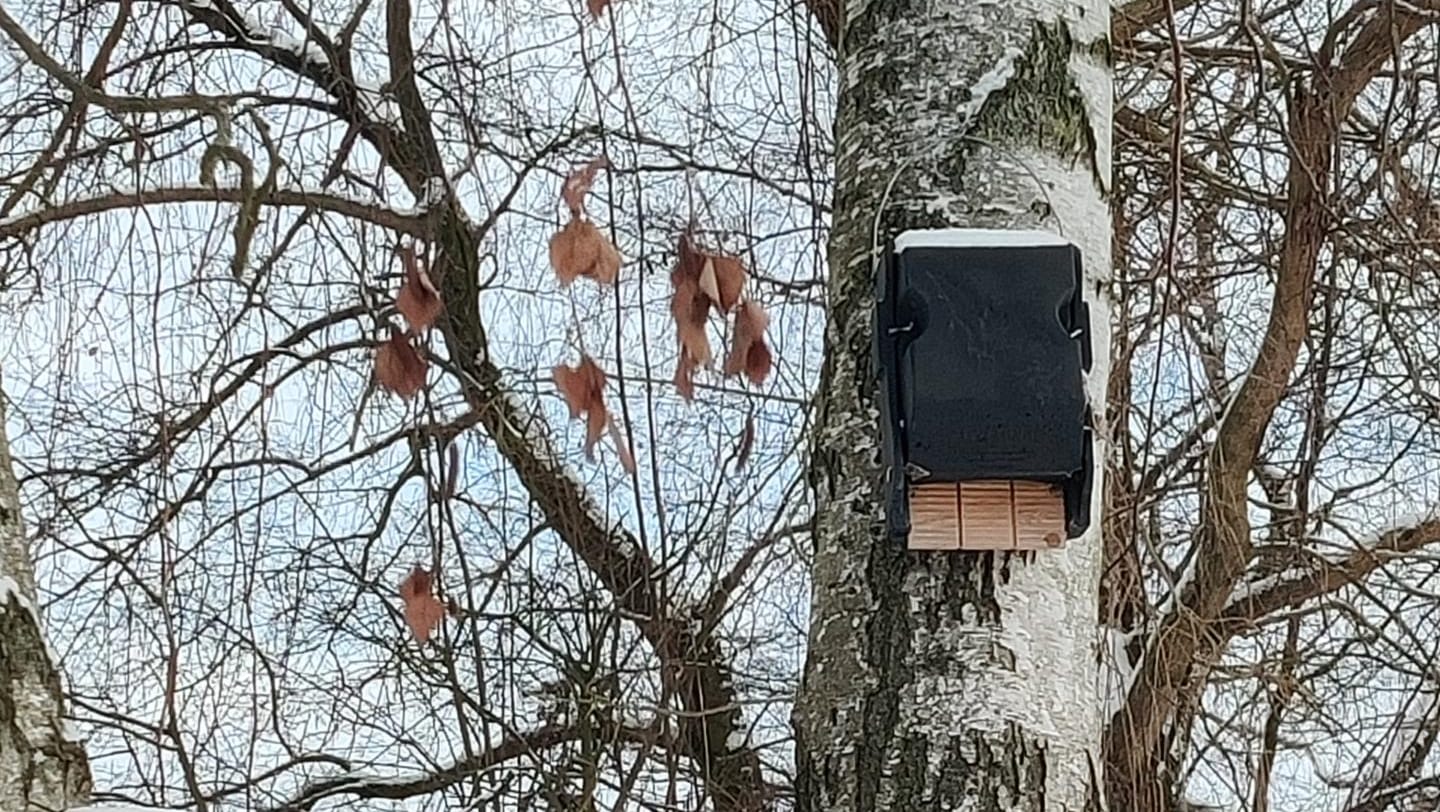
[[982, 342], [997, 514]]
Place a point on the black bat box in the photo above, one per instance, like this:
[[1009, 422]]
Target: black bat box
[[982, 344]]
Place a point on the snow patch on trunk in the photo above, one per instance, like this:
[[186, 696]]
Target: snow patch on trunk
[[991, 81], [51, 772]]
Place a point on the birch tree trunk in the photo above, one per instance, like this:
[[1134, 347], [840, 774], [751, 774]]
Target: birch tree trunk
[[952, 680], [42, 768]]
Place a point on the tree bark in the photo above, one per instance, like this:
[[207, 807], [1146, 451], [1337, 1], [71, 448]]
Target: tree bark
[[42, 767], [952, 680]]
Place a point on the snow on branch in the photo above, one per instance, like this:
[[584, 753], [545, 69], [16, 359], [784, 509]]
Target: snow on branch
[[1322, 574], [1404, 748], [359, 784], [1117, 670], [254, 31], [306, 57]]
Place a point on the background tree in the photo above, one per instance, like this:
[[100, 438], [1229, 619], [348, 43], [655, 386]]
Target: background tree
[[224, 508], [1277, 470]]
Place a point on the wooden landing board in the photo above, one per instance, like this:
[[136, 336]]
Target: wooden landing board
[[996, 514]]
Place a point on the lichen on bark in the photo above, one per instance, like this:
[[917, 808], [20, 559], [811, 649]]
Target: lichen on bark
[[1041, 105]]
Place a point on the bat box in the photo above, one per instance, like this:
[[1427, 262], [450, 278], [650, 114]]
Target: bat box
[[982, 342]]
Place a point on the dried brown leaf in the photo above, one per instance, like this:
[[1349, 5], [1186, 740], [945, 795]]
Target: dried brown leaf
[[690, 307], [748, 352], [689, 260], [597, 7], [708, 284], [418, 301], [719, 277], [729, 281], [622, 448], [606, 267], [423, 611], [399, 366], [565, 254], [685, 376], [758, 361], [581, 249], [583, 387], [578, 183], [701, 281]]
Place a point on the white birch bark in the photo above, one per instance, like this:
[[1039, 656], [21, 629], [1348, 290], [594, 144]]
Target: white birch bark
[[41, 767], [953, 681]]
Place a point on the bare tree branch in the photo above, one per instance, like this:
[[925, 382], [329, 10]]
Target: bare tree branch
[[1255, 600], [515, 746], [401, 222]]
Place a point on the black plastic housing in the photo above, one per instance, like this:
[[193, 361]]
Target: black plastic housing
[[982, 339]]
